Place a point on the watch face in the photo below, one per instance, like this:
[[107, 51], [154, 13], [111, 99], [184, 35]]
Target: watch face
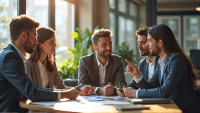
[[79, 87]]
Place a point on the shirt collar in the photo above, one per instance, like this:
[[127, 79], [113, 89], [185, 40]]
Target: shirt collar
[[98, 63], [153, 61], [20, 53], [163, 60], [40, 64]]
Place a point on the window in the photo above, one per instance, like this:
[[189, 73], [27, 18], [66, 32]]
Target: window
[[38, 9], [123, 22], [64, 23], [6, 14]]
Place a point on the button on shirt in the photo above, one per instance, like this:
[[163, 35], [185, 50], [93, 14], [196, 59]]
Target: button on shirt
[[102, 74], [43, 74]]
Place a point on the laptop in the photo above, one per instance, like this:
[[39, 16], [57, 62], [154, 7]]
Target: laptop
[[148, 100]]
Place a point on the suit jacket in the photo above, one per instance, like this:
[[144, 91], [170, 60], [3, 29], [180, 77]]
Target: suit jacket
[[143, 67], [89, 71], [174, 83], [32, 69], [14, 82]]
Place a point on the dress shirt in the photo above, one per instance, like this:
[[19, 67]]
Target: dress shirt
[[162, 64], [43, 74], [150, 67], [102, 74]]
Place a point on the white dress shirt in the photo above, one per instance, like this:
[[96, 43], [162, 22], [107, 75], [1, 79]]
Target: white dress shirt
[[162, 64], [150, 67], [43, 74], [102, 74]]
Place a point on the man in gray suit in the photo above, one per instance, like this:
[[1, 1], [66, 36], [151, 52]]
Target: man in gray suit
[[146, 65], [14, 82], [101, 69]]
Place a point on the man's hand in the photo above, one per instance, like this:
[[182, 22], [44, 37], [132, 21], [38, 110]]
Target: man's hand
[[120, 92], [71, 94], [107, 90], [131, 68], [129, 92], [87, 90]]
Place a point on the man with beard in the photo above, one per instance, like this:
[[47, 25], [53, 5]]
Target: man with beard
[[101, 69], [175, 75], [146, 65], [14, 83]]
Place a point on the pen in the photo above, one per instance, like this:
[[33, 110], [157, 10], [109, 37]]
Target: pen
[[120, 85]]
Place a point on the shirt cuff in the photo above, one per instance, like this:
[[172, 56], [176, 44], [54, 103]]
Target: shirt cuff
[[59, 95], [137, 94], [95, 90], [139, 79]]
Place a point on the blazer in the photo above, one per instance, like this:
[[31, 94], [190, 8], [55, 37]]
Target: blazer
[[174, 83], [32, 69], [88, 73], [143, 67], [14, 82]]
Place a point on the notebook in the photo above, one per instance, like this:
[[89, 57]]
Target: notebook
[[148, 100]]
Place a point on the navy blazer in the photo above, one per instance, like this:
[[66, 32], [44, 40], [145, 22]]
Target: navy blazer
[[14, 82], [143, 67], [174, 83]]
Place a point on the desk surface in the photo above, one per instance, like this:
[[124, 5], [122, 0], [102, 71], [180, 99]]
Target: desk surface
[[169, 108]]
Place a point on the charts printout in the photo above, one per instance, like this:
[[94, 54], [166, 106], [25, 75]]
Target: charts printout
[[95, 100]]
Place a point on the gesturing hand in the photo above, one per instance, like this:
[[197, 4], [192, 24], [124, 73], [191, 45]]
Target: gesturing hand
[[87, 90], [129, 92], [131, 68]]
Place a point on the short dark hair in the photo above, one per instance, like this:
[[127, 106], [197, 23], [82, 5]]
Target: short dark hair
[[142, 31], [21, 23], [100, 33]]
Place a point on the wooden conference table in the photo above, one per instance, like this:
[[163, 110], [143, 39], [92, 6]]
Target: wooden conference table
[[78, 107]]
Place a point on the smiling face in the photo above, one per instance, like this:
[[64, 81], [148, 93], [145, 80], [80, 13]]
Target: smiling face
[[31, 41], [143, 48], [153, 46], [48, 47], [104, 47]]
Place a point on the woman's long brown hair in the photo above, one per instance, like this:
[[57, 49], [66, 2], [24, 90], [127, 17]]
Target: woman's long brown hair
[[43, 35], [171, 46]]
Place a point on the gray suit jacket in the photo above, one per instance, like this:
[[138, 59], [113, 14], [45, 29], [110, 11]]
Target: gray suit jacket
[[89, 71], [143, 67], [32, 69], [14, 82], [174, 83]]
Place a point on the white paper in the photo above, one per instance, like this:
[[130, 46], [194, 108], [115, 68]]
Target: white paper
[[110, 102]]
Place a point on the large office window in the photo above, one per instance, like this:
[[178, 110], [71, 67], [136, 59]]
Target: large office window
[[38, 9], [123, 19], [189, 37], [8, 9], [64, 22]]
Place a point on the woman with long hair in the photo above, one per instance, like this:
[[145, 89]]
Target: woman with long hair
[[174, 76], [41, 66]]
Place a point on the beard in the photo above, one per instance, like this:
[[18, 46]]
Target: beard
[[145, 53], [103, 55], [28, 46], [155, 52]]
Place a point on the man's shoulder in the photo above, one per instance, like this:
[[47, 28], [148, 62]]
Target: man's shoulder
[[115, 57], [143, 60], [87, 57]]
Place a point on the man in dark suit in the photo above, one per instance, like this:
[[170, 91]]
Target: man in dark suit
[[174, 76], [146, 65], [14, 83], [101, 69]]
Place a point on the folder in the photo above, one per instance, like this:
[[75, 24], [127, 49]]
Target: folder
[[148, 100]]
